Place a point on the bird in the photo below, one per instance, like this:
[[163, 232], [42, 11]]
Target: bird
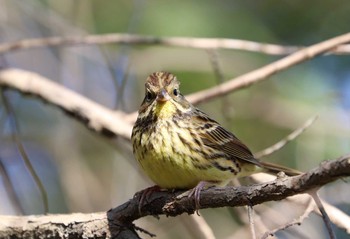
[[180, 147]]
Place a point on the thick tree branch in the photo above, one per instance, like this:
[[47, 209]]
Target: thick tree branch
[[96, 117], [279, 189], [119, 221], [76, 225]]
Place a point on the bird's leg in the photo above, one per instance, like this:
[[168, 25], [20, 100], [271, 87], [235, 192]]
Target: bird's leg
[[196, 191], [146, 193]]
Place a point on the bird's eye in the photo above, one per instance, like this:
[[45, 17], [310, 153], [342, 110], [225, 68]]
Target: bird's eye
[[176, 92], [149, 96]]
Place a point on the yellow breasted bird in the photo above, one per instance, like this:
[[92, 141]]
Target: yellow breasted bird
[[180, 147]]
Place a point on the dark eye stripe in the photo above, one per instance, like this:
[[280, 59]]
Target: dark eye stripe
[[149, 96]]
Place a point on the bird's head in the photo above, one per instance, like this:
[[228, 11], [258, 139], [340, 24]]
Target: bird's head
[[163, 97]]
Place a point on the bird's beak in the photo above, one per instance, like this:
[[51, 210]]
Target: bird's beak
[[163, 96]]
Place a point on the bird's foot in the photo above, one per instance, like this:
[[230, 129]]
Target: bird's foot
[[196, 191], [145, 195]]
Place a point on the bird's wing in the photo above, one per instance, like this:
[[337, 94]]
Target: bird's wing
[[213, 135]]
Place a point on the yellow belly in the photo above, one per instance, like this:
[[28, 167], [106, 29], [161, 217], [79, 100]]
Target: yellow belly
[[178, 172], [172, 164]]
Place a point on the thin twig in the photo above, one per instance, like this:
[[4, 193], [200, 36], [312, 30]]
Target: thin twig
[[309, 208], [214, 61], [251, 221], [21, 149], [277, 146], [144, 231], [338, 217], [9, 187], [122, 86], [219, 76], [134, 39], [198, 227], [325, 217]]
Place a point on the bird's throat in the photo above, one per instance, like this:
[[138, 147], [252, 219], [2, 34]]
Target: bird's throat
[[165, 109]]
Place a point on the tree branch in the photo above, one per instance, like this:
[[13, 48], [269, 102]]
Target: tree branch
[[119, 221], [262, 73], [76, 225], [280, 144], [95, 116], [279, 189], [134, 39]]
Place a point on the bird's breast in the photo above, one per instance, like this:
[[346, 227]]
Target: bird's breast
[[172, 158]]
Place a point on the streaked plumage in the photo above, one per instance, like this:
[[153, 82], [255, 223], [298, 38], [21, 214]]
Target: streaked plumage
[[179, 146]]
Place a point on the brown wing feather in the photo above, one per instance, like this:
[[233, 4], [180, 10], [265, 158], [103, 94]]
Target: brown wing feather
[[215, 136]]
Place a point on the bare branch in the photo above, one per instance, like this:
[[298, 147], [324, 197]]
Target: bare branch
[[325, 217], [96, 117], [251, 221], [17, 140], [134, 39], [10, 189], [198, 227], [120, 219], [338, 217], [308, 210], [268, 70], [277, 146], [77, 225], [277, 190]]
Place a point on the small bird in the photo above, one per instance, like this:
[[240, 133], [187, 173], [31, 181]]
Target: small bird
[[180, 147]]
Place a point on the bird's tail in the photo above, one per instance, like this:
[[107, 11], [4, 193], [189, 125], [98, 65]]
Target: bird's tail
[[275, 169]]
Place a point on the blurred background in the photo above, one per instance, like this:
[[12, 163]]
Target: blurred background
[[84, 172]]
